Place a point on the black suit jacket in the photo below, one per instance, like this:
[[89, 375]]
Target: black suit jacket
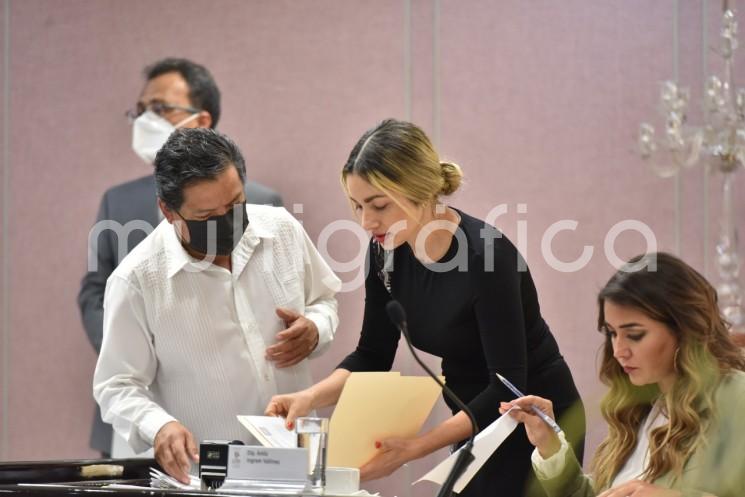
[[122, 204]]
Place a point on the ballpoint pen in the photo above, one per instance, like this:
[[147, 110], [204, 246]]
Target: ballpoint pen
[[545, 417]]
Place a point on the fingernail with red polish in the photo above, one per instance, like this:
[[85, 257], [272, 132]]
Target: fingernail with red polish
[[290, 425], [377, 445]]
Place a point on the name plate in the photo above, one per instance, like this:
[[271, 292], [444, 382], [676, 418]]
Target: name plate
[[248, 462]]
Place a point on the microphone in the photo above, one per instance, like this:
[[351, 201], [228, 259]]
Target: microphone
[[397, 315]]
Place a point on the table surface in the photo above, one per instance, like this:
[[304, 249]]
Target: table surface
[[66, 478]]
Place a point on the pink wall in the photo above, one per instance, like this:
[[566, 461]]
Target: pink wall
[[4, 168], [539, 106]]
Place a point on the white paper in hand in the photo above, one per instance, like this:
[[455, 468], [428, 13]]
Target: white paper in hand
[[484, 445], [269, 431]]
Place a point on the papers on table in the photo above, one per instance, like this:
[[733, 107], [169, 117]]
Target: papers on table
[[269, 431], [372, 406], [484, 445], [158, 479]]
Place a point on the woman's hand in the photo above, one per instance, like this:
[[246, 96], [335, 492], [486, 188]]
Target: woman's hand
[[392, 454], [290, 406], [638, 488], [539, 433]]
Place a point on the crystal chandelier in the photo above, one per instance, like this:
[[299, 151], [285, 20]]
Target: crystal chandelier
[[719, 144]]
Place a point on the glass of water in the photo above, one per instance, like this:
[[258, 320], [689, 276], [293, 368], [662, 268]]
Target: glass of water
[[312, 433]]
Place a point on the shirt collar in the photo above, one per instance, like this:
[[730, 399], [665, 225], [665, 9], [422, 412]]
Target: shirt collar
[[177, 258], [255, 232]]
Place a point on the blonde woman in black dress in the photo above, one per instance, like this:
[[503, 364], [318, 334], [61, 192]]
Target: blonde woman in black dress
[[467, 300]]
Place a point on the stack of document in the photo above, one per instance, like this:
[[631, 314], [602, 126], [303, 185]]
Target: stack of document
[[158, 479], [270, 431]]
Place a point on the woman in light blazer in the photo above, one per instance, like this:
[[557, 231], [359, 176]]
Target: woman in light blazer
[[676, 404]]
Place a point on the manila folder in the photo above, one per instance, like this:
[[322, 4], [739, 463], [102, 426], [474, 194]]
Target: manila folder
[[374, 406]]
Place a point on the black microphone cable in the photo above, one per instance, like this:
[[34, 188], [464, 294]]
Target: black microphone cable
[[397, 315]]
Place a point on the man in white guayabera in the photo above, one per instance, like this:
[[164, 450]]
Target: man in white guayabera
[[213, 313], [177, 93]]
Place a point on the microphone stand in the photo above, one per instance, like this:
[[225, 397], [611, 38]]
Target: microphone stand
[[398, 316]]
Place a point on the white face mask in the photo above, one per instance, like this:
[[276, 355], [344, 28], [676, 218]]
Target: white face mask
[[150, 132]]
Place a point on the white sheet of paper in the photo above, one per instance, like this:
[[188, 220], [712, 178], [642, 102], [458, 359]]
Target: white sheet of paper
[[484, 445], [270, 431]]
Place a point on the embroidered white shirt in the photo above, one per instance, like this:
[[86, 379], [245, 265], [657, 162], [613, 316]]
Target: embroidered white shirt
[[185, 340]]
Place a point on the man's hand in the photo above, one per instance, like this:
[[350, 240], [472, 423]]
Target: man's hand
[[175, 450], [294, 343]]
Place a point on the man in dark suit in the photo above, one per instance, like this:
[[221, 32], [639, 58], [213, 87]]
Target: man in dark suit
[[177, 94]]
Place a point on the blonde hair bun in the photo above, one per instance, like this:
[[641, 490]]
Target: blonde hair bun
[[452, 176]]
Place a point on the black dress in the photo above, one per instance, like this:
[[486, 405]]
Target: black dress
[[476, 308]]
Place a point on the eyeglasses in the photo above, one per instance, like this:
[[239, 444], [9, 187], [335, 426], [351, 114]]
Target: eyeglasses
[[159, 108]]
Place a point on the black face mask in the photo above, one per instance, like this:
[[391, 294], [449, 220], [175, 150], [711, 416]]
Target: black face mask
[[223, 237]]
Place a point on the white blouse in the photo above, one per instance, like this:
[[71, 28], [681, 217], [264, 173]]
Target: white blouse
[[632, 469]]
